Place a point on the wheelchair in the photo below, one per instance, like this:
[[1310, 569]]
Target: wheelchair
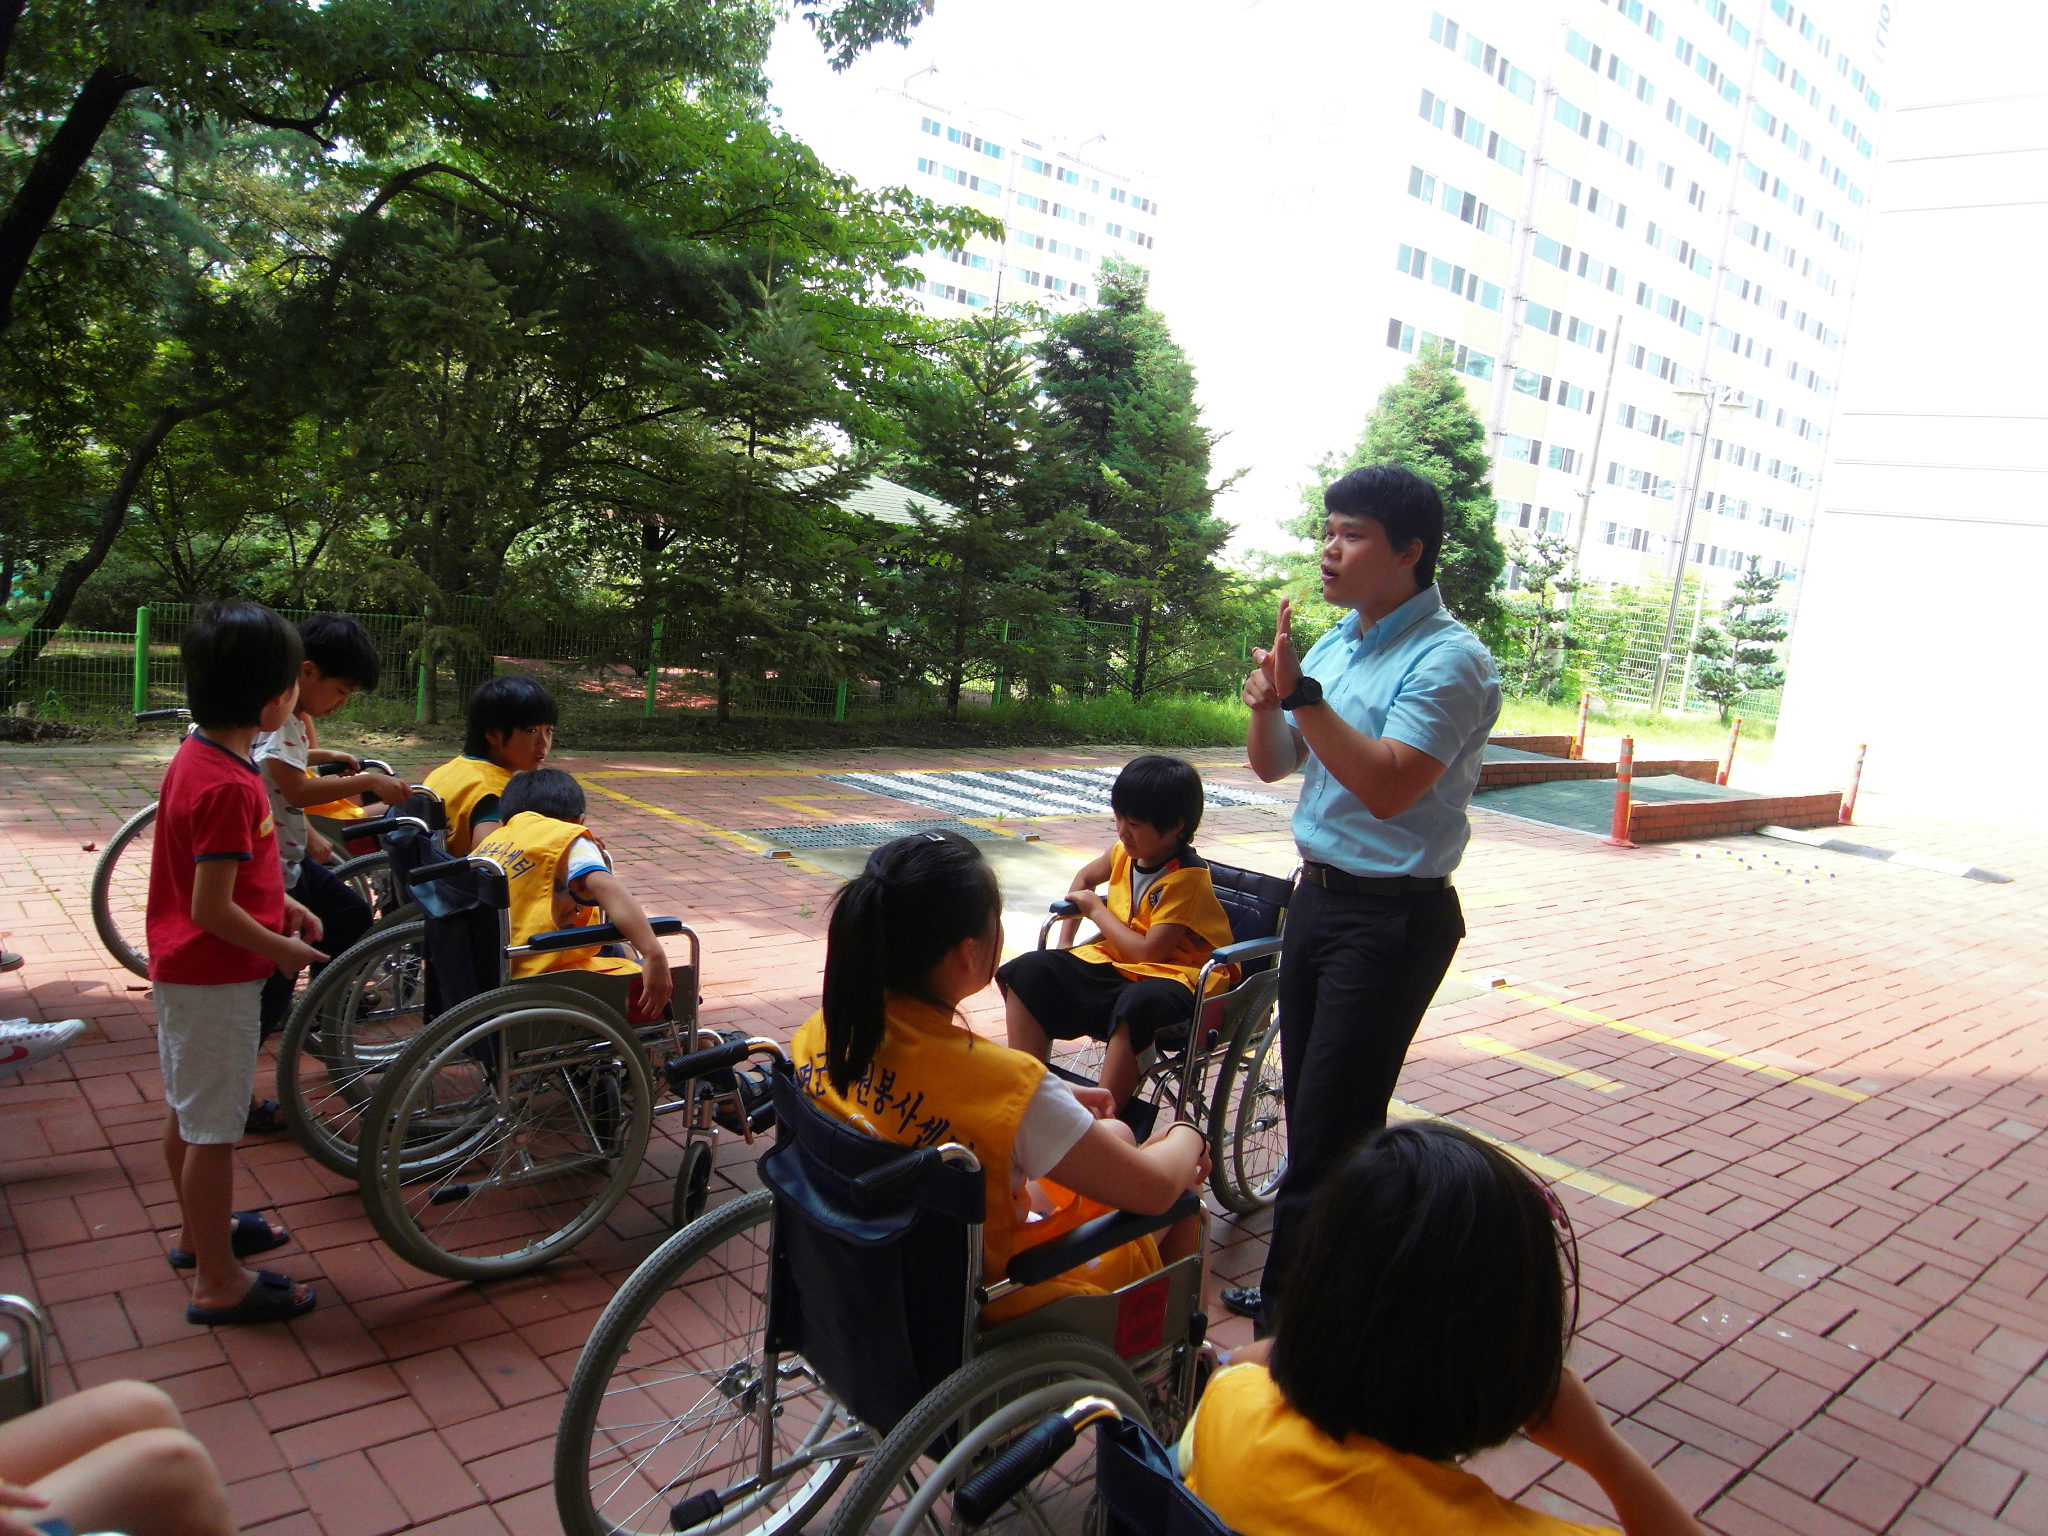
[[25, 1383], [119, 889], [349, 1022], [512, 1123], [1232, 1037], [821, 1338]]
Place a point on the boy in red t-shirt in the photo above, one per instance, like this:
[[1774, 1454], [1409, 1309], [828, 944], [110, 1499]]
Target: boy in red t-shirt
[[219, 923]]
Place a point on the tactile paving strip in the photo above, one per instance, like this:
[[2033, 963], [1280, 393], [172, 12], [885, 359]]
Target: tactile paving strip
[[861, 834], [1019, 791]]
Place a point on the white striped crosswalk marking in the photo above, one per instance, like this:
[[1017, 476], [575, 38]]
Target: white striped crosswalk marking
[[1017, 792]]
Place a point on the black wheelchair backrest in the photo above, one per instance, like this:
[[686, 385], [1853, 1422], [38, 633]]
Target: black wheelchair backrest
[[464, 905], [877, 1252], [1255, 904], [1140, 1494]]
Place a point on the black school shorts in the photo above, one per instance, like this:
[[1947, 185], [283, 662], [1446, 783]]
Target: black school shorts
[[1072, 998]]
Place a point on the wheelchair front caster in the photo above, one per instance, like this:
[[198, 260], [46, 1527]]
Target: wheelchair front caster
[[693, 1185]]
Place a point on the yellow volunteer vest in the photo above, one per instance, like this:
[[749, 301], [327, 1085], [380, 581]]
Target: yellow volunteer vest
[[461, 782], [1182, 894], [934, 1081], [1267, 1471], [529, 848]]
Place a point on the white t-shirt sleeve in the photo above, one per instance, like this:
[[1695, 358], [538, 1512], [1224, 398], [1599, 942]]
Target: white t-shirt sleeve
[[1053, 1122], [583, 858]]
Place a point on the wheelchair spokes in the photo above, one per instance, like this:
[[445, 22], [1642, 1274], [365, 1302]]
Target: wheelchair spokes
[[1250, 1153]]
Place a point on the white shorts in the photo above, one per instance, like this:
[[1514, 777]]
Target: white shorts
[[207, 1038]]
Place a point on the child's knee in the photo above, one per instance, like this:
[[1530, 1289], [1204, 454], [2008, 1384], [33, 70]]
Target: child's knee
[[129, 1407]]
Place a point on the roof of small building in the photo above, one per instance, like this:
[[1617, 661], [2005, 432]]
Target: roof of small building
[[885, 501]]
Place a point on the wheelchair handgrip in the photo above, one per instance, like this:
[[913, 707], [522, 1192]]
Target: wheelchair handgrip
[[901, 1170], [1092, 1239], [1064, 908], [1246, 949], [427, 874], [713, 1058], [1030, 1454], [376, 826], [331, 770], [151, 716], [376, 765], [596, 933]]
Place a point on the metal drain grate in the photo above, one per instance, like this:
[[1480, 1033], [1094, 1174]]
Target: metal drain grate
[[861, 834], [1020, 791]]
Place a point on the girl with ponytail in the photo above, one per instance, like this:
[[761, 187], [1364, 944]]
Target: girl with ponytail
[[911, 937]]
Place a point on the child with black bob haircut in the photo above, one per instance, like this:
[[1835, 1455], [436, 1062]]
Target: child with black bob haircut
[[556, 871], [1159, 923], [1426, 1317], [911, 937], [509, 728], [219, 924]]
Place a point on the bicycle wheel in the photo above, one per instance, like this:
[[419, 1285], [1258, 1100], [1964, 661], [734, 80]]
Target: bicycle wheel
[[667, 1408], [348, 1025], [908, 1484], [120, 891], [1247, 1125], [503, 1134]]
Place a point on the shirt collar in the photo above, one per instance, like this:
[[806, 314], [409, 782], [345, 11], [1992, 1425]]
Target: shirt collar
[[228, 752], [1399, 622]]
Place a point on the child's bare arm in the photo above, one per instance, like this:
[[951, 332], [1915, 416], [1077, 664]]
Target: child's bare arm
[[1577, 1430], [605, 889], [214, 909], [1159, 942], [298, 789], [1147, 1179]]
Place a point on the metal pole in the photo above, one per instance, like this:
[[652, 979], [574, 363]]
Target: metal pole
[[141, 688], [1689, 494], [419, 702], [1624, 778]]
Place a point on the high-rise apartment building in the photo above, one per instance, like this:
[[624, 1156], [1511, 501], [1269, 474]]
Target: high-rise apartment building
[[1063, 209], [1636, 229]]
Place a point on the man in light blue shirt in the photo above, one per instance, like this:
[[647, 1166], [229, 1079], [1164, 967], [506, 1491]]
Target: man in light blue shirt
[[1389, 715]]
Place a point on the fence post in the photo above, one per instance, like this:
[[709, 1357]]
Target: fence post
[[1855, 783], [839, 702], [1624, 778], [1728, 762], [653, 668], [1585, 713], [1002, 688], [141, 658], [419, 698]]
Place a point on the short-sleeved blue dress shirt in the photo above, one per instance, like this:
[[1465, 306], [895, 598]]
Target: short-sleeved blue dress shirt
[[1417, 676]]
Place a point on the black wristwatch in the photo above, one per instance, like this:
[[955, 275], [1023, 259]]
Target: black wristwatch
[[1307, 691]]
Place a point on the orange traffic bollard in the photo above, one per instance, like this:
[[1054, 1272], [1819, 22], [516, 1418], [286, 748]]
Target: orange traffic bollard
[[1624, 776], [1585, 711], [1728, 762], [1855, 782]]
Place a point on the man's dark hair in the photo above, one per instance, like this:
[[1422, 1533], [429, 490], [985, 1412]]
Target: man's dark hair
[[1404, 504], [238, 656], [1160, 791], [1429, 1305], [507, 703], [340, 648], [552, 792]]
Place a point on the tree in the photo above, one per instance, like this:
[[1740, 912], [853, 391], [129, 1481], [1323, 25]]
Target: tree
[[1423, 420], [978, 438], [1739, 656], [1538, 622], [1145, 552]]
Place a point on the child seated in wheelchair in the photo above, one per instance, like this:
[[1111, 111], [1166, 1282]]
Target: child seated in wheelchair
[[559, 877], [911, 937], [508, 729], [1425, 1318], [1159, 922]]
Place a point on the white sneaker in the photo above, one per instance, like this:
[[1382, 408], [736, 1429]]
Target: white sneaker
[[23, 1044]]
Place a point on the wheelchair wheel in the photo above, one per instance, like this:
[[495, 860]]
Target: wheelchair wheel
[[120, 890], [1247, 1127], [668, 1405], [907, 1485], [504, 1134], [369, 876], [693, 1184], [348, 1025]]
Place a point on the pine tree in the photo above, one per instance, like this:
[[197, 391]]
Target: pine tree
[[1740, 655], [1425, 421], [1539, 622]]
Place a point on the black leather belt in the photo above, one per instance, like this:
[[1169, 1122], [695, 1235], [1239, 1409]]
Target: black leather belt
[[1333, 879]]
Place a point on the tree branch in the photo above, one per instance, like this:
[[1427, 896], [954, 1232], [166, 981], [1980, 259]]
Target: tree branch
[[57, 166]]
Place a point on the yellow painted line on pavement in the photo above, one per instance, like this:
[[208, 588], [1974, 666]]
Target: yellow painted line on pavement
[[1696, 1048], [1554, 1169], [807, 805], [1550, 1066], [737, 839]]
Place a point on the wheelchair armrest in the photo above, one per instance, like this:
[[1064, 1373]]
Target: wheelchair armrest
[[1092, 1239], [596, 933], [1249, 949]]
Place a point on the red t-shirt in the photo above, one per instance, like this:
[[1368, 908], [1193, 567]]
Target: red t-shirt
[[213, 806]]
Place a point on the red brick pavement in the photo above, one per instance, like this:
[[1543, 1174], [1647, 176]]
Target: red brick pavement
[[1807, 1168]]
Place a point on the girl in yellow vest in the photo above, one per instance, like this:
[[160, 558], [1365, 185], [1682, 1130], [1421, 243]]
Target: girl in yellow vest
[[509, 728], [560, 878], [1426, 1318], [911, 937]]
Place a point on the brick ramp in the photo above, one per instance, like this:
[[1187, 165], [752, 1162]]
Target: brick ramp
[[1505, 766], [1665, 807]]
